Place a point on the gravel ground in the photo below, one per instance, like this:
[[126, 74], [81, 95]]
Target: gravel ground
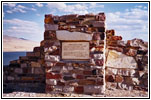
[[108, 93]]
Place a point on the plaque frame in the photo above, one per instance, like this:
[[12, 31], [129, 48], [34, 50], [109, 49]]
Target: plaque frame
[[62, 59]]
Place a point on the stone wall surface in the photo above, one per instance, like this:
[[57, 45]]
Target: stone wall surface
[[78, 55], [126, 63]]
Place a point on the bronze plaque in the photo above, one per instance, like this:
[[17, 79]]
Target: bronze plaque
[[75, 50]]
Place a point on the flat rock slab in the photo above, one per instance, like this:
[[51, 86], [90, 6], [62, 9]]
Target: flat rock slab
[[118, 60], [66, 35]]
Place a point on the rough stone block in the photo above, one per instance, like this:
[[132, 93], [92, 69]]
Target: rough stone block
[[98, 23], [79, 89], [91, 89], [98, 56], [52, 58], [53, 76], [119, 79], [118, 60], [111, 71], [87, 72], [79, 77], [66, 35], [124, 86], [50, 27], [39, 71], [23, 65], [68, 89], [27, 78], [10, 78], [67, 78], [35, 64], [18, 70], [127, 72], [51, 81], [110, 78], [87, 82], [111, 85]]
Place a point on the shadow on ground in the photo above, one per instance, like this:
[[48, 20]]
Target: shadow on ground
[[31, 87]]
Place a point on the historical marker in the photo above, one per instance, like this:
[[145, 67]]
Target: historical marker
[[75, 50]]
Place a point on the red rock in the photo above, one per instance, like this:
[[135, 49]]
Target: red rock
[[60, 83], [96, 36], [87, 82], [110, 78], [118, 78], [49, 88], [48, 19], [51, 76], [131, 52], [101, 17], [60, 64], [87, 72], [99, 62], [79, 89], [80, 77], [116, 38]]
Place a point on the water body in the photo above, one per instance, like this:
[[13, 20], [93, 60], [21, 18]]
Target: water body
[[9, 56]]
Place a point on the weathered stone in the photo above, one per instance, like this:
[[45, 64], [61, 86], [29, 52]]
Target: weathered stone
[[38, 71], [87, 82], [111, 71], [50, 27], [35, 64], [101, 17], [68, 89], [23, 65], [111, 85], [127, 72], [131, 52], [67, 78], [79, 76], [110, 78], [51, 82], [91, 89], [49, 19], [52, 58], [66, 35], [18, 70], [56, 69], [27, 78], [98, 23], [10, 78], [87, 72], [98, 56], [52, 76], [124, 86], [118, 60], [121, 43], [79, 89], [49, 88], [57, 89], [118, 78]]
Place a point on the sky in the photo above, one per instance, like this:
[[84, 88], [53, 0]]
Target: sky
[[26, 20]]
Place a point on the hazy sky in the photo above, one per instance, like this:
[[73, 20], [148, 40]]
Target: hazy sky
[[26, 20]]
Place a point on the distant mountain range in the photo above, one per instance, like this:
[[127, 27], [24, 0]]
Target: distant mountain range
[[11, 44]]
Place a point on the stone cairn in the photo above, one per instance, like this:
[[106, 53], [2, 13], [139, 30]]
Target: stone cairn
[[110, 63]]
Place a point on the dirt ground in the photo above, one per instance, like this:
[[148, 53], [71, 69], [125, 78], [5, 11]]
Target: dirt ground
[[108, 93]]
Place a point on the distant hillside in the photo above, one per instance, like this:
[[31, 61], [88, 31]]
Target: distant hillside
[[18, 44]]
